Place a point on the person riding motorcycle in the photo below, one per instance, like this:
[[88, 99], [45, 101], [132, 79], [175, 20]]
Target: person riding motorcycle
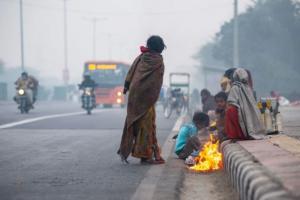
[[88, 82], [24, 82], [34, 88], [177, 93], [175, 98]]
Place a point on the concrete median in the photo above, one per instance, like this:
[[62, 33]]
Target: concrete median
[[263, 169]]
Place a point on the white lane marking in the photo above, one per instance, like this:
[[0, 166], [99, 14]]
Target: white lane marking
[[147, 187], [31, 120], [178, 124]]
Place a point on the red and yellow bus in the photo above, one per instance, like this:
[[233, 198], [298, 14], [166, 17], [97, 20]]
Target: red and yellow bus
[[110, 77]]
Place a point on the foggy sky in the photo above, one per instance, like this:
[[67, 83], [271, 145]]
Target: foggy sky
[[123, 26]]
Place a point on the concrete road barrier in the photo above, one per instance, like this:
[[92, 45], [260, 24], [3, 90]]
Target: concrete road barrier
[[251, 176]]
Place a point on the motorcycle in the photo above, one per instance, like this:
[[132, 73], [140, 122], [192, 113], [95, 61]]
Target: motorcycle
[[175, 102], [88, 99], [23, 100]]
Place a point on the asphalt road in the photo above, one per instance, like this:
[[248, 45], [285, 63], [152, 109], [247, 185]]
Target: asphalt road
[[70, 157], [291, 121], [74, 157]]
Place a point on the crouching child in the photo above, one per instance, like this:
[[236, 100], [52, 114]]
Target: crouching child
[[190, 134]]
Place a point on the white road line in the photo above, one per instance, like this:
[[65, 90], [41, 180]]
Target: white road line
[[147, 187], [31, 120]]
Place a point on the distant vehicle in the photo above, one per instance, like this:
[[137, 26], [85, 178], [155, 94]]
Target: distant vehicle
[[87, 100], [23, 100], [109, 77], [178, 94], [26, 92], [174, 102]]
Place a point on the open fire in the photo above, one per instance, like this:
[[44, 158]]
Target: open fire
[[209, 159]]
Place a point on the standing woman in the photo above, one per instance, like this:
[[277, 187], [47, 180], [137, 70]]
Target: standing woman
[[143, 81]]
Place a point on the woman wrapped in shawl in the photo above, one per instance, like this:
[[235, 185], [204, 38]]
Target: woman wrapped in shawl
[[143, 81], [242, 118]]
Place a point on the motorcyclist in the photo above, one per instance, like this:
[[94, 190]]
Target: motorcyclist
[[88, 82], [178, 94], [34, 88], [24, 82]]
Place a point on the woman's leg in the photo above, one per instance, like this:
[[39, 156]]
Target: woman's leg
[[143, 146], [232, 126], [146, 146]]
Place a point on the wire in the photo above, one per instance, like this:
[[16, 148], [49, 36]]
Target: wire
[[111, 14]]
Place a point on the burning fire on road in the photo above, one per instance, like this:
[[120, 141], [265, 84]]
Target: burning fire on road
[[209, 159]]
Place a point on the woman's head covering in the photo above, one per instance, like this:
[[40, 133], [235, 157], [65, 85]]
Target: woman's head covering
[[241, 96], [243, 76], [250, 81], [240, 75], [156, 44]]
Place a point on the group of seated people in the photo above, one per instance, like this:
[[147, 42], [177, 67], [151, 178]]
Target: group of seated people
[[235, 114]]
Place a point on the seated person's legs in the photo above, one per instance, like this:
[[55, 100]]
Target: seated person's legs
[[193, 144]]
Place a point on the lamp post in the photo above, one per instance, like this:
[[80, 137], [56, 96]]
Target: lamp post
[[236, 36], [66, 68], [94, 21], [22, 36]]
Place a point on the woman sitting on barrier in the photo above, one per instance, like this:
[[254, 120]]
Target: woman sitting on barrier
[[242, 118]]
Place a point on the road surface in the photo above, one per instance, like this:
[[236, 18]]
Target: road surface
[[72, 157]]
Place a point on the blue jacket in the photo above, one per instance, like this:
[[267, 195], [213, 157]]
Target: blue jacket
[[185, 132]]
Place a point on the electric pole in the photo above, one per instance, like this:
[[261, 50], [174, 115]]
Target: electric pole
[[109, 45], [94, 21], [22, 36], [236, 36], [66, 68]]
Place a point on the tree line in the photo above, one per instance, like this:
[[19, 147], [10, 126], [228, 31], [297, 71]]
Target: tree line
[[269, 46]]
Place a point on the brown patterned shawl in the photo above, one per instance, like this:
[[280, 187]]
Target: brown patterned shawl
[[145, 77]]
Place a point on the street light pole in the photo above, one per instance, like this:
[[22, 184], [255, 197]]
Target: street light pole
[[66, 69], [22, 36], [94, 20], [236, 36], [109, 46]]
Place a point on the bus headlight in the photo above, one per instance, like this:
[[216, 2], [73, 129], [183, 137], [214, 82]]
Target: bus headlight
[[119, 100], [21, 92], [119, 94]]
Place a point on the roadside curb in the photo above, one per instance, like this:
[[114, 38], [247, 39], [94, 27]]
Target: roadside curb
[[251, 180]]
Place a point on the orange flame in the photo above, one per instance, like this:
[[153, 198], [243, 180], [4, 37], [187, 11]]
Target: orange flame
[[209, 159]]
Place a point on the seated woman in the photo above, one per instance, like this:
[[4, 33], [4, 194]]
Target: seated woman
[[188, 139], [242, 117]]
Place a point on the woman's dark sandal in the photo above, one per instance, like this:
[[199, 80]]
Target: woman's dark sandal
[[160, 161]]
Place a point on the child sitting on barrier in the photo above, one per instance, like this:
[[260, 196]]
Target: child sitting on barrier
[[221, 102], [189, 136]]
